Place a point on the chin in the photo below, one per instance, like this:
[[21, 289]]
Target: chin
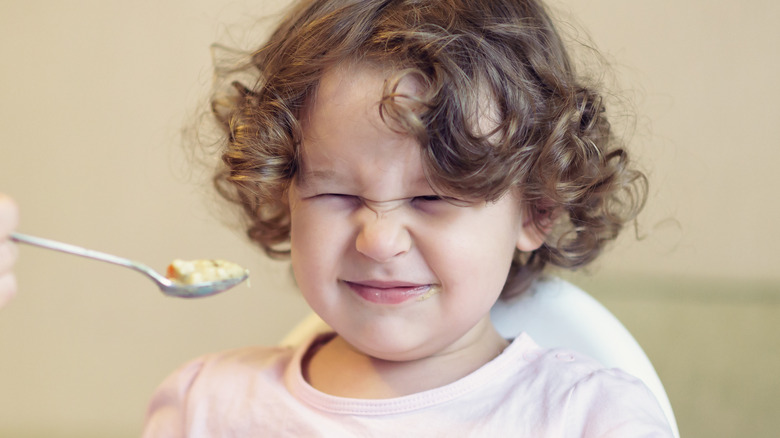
[[394, 349]]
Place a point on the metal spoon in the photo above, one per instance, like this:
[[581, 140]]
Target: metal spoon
[[167, 286]]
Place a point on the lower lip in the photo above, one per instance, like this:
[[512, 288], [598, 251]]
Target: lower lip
[[389, 295]]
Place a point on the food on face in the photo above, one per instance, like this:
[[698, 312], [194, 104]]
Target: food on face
[[433, 290], [203, 271]]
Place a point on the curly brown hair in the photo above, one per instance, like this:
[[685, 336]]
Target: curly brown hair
[[551, 137]]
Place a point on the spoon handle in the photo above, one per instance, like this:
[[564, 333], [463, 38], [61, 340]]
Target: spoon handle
[[84, 252]]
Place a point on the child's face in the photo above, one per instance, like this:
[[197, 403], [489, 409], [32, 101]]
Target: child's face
[[397, 272]]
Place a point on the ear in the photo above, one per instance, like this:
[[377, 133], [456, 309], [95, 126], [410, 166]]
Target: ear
[[536, 227]]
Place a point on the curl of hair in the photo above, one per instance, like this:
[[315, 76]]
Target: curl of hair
[[495, 60]]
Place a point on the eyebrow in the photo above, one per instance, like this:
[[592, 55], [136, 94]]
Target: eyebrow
[[309, 177]]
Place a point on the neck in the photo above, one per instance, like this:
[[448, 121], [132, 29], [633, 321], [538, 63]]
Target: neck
[[341, 370]]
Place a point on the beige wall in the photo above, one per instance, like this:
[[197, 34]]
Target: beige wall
[[705, 81], [93, 95]]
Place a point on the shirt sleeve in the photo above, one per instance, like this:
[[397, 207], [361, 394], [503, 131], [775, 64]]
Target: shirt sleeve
[[166, 414], [610, 403]]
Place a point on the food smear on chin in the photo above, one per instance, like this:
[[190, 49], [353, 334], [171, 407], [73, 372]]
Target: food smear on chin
[[203, 271]]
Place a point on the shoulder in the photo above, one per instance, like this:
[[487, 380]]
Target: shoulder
[[581, 394], [561, 366], [236, 365], [211, 383], [576, 376], [566, 370], [611, 402]]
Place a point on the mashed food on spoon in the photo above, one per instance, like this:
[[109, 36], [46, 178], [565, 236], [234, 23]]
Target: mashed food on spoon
[[203, 271]]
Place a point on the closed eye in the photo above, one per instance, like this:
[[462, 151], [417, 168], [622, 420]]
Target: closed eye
[[439, 202], [339, 197], [429, 198], [336, 195], [435, 203]]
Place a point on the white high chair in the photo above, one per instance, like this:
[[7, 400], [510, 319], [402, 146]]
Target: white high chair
[[556, 313]]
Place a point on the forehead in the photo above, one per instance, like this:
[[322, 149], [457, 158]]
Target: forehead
[[347, 95], [345, 139]]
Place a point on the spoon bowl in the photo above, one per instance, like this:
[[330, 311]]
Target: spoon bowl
[[167, 286], [197, 290]]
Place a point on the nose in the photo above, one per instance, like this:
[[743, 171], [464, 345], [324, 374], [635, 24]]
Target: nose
[[382, 235]]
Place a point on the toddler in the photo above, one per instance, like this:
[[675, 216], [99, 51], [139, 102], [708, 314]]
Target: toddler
[[418, 160]]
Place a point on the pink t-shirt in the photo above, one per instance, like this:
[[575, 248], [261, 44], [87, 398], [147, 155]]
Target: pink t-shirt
[[526, 391]]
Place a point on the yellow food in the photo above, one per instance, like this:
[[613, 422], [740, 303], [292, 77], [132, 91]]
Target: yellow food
[[433, 290], [202, 271]]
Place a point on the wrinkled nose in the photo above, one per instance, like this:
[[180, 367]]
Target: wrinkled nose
[[382, 235]]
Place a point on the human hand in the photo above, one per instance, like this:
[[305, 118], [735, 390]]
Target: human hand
[[9, 217]]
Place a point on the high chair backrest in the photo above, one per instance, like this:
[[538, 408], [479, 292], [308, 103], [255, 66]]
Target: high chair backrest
[[556, 313]]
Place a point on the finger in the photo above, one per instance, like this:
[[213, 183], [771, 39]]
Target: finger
[[9, 215], [7, 288], [9, 253]]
